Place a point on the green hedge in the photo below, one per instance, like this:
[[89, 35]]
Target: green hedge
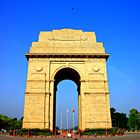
[[43, 132], [99, 132], [34, 132]]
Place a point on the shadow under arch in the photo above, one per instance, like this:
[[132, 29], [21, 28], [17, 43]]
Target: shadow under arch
[[65, 74]]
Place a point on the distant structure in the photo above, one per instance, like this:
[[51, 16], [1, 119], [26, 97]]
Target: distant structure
[[67, 54]]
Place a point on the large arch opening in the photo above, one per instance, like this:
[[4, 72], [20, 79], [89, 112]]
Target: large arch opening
[[65, 75]]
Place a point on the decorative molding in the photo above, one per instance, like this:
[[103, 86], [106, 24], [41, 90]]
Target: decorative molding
[[36, 81], [38, 69], [37, 93], [96, 68], [68, 55], [67, 35], [96, 92]]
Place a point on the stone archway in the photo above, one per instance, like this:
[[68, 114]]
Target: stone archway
[[66, 74], [71, 52]]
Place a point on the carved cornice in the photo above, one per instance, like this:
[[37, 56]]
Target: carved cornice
[[69, 55]]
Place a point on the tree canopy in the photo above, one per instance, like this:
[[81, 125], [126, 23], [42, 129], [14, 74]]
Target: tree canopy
[[134, 119], [9, 123], [119, 120]]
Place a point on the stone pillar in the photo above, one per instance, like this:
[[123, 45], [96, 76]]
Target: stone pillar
[[34, 101], [79, 111], [109, 124], [82, 105], [51, 104], [47, 111]]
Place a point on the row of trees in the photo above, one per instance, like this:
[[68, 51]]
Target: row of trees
[[10, 123], [120, 120]]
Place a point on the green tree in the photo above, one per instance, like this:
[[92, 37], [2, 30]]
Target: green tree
[[134, 119], [113, 116], [119, 120], [9, 123], [5, 122]]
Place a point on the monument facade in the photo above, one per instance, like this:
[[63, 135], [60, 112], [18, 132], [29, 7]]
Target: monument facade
[[67, 54]]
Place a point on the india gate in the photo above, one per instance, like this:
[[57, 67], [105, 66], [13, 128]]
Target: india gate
[[67, 54]]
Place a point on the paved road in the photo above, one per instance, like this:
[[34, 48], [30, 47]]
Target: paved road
[[125, 137]]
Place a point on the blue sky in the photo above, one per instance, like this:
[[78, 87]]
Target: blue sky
[[116, 23]]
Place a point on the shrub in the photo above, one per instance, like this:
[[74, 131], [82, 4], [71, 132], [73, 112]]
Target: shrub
[[100, 131], [35, 132]]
